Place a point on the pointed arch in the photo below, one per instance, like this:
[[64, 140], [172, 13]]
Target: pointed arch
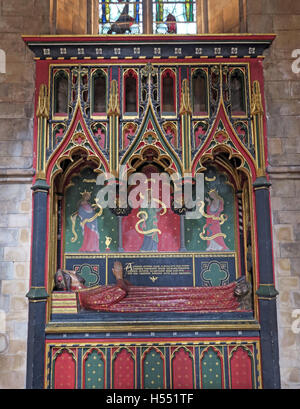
[[150, 128], [76, 137], [222, 136]]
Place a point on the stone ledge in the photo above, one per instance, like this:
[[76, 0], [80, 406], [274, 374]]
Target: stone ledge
[[284, 172], [16, 175]]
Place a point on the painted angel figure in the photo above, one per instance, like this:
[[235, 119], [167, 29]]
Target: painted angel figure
[[214, 219], [88, 221], [148, 223]]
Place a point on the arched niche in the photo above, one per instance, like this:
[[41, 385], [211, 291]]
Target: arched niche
[[226, 220], [78, 225], [200, 92], [168, 93], [237, 92], [151, 225], [130, 92], [99, 92], [60, 93]]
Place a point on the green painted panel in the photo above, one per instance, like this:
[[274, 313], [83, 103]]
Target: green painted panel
[[211, 370], [153, 366], [94, 371]]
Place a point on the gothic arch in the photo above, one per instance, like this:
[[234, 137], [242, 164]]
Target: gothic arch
[[150, 134]]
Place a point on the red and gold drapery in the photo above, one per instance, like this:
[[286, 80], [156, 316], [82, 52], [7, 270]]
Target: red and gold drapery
[[159, 299]]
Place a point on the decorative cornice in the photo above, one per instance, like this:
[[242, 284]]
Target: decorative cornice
[[117, 47]]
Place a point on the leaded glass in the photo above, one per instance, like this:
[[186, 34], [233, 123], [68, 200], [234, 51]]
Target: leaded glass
[[120, 17], [174, 17]]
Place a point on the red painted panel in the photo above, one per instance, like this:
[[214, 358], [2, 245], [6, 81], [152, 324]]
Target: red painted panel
[[168, 225], [64, 371], [241, 369], [123, 370], [182, 370]]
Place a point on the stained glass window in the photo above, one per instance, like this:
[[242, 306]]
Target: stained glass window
[[174, 17], [120, 17]]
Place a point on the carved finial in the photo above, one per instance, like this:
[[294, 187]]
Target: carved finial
[[43, 103], [149, 69], [113, 105], [256, 105], [185, 104]]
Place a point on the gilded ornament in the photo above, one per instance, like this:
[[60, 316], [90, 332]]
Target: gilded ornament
[[113, 105], [185, 103], [256, 105], [43, 102]]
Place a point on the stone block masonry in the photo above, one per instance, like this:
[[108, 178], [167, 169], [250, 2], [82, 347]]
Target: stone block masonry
[[15, 237], [17, 18], [283, 112]]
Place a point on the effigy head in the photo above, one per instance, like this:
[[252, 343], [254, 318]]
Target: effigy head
[[118, 270]]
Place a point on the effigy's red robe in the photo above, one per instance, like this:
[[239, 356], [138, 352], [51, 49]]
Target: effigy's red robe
[[113, 298]]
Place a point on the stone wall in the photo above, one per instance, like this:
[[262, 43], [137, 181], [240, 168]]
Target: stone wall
[[16, 150], [282, 90], [19, 17]]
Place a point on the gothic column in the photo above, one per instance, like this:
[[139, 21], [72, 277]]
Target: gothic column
[[266, 291], [37, 294]]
